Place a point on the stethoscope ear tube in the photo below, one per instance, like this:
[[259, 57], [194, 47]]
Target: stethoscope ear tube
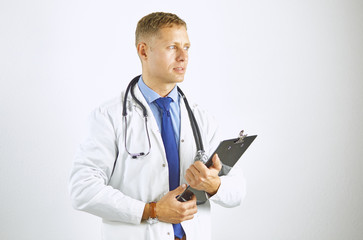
[[130, 86], [193, 121]]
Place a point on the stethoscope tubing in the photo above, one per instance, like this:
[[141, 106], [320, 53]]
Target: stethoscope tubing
[[193, 122]]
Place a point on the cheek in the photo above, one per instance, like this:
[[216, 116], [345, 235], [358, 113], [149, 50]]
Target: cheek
[[166, 58], [161, 61]]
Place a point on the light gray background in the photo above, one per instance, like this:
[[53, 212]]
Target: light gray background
[[289, 71]]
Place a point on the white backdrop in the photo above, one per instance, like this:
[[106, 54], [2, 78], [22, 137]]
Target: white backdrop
[[289, 71]]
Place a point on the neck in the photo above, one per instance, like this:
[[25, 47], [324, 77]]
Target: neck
[[158, 86]]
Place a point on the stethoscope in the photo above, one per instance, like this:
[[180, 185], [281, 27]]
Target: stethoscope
[[200, 155]]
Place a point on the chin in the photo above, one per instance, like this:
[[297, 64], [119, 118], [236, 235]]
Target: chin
[[179, 79], [174, 78]]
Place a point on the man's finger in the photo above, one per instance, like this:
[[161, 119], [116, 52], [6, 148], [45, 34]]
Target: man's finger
[[192, 203], [200, 166], [196, 172]]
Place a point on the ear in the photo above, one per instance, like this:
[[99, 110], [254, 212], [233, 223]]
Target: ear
[[142, 50]]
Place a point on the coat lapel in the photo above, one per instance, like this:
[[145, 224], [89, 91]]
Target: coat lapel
[[187, 148]]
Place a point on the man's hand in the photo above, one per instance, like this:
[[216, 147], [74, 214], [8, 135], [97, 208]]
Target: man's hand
[[200, 177], [170, 210]]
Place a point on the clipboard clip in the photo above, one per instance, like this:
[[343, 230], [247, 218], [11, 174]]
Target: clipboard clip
[[241, 137]]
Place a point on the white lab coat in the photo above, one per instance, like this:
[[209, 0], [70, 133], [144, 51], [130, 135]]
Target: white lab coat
[[120, 201]]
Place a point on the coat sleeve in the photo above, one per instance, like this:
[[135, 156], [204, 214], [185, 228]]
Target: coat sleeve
[[90, 174], [232, 190]]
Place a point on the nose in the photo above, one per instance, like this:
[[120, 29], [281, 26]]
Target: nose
[[182, 55]]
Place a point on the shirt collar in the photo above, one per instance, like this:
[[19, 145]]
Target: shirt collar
[[150, 95]]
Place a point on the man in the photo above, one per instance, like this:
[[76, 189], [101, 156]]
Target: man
[[137, 197]]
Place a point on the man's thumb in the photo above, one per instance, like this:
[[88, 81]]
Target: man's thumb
[[179, 190], [216, 162]]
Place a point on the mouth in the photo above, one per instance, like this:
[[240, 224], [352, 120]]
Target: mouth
[[179, 69]]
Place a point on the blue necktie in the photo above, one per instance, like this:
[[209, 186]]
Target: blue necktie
[[171, 150]]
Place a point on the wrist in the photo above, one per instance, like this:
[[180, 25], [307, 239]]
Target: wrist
[[152, 213], [152, 210], [215, 187]]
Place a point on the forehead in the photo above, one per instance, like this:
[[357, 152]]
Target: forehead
[[177, 34]]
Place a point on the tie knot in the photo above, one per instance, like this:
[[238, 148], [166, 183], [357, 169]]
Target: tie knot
[[164, 103]]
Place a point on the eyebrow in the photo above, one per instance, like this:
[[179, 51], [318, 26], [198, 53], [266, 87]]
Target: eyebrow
[[177, 43]]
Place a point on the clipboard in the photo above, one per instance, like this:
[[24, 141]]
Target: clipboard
[[229, 152]]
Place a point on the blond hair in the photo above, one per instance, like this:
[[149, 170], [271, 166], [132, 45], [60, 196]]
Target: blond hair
[[150, 24]]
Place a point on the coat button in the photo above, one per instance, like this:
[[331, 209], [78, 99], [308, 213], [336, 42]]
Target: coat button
[[182, 140], [164, 164]]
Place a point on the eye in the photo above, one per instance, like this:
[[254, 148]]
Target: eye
[[186, 48], [172, 47]]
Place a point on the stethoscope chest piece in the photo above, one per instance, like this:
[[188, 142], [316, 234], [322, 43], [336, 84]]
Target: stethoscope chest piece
[[201, 156]]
